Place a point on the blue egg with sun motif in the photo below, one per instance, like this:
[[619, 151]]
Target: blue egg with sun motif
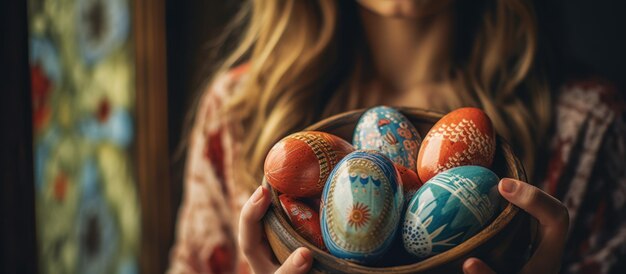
[[449, 209], [386, 130], [361, 207]]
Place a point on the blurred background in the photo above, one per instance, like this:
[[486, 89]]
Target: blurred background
[[95, 98]]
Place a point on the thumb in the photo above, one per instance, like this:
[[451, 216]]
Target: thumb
[[300, 261], [476, 266]]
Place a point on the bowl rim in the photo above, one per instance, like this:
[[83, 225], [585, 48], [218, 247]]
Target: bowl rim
[[497, 224]]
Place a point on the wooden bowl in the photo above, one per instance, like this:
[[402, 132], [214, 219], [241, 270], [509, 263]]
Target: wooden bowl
[[504, 244]]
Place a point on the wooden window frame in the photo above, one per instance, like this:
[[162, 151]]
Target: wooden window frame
[[152, 151]]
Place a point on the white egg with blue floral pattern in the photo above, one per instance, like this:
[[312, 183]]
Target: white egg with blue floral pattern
[[362, 205]]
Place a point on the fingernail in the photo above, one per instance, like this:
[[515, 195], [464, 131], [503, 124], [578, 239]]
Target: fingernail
[[508, 185], [470, 266], [302, 257], [257, 195]]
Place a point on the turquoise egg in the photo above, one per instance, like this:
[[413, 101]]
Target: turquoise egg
[[450, 208], [361, 207], [386, 130]]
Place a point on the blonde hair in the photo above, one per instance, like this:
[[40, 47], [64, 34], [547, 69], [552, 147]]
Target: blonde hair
[[301, 52]]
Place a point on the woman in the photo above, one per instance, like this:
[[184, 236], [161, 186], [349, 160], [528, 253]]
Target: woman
[[299, 61]]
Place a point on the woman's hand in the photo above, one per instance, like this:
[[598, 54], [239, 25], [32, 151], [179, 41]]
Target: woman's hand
[[255, 246], [553, 227]]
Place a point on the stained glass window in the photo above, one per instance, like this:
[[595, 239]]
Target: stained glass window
[[82, 78]]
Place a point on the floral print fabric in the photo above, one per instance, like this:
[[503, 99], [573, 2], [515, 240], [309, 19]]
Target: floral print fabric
[[587, 172]]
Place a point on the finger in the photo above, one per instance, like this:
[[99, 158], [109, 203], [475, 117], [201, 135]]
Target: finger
[[553, 220], [251, 240], [299, 261], [476, 266]]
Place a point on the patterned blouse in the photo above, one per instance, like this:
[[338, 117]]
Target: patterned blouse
[[586, 170]]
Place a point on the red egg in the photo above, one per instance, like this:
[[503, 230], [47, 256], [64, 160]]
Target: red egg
[[410, 181], [300, 163], [462, 137], [304, 219]]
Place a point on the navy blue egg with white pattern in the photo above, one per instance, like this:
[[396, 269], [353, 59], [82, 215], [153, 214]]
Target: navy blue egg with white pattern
[[450, 208]]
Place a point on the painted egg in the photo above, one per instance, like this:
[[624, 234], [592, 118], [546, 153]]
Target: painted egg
[[460, 138], [450, 208], [361, 207], [304, 219], [300, 163], [386, 130], [410, 181]]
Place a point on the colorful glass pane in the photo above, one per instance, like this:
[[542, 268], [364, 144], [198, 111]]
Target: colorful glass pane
[[82, 79]]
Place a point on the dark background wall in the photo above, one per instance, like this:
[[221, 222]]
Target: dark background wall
[[592, 34], [17, 210]]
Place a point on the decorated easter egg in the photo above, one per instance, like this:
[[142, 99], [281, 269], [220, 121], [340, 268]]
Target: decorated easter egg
[[304, 219], [410, 181], [386, 130], [300, 163], [462, 137], [361, 207], [450, 208]]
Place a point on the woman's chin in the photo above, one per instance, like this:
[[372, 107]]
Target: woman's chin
[[408, 9]]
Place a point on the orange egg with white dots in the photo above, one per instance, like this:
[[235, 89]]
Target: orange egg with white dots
[[462, 137]]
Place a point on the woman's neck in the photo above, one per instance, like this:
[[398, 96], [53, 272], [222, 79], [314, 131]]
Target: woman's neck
[[408, 52]]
